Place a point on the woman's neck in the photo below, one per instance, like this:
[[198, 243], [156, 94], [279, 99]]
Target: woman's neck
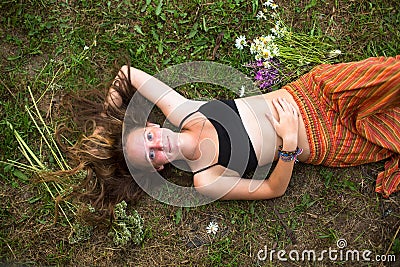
[[188, 143]]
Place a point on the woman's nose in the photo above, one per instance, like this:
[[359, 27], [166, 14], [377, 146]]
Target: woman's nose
[[157, 144]]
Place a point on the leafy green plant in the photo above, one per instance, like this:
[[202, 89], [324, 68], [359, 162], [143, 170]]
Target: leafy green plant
[[221, 253], [306, 202], [396, 246], [79, 233], [126, 228], [328, 177]]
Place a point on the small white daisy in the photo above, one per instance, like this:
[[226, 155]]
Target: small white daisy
[[275, 51], [253, 48], [86, 47], [241, 92], [260, 15], [266, 53], [266, 64], [240, 42], [269, 38], [274, 6], [334, 53], [212, 228], [268, 3]]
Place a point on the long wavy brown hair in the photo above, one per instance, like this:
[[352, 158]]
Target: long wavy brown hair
[[99, 150]]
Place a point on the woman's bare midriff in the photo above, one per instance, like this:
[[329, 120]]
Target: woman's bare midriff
[[253, 112]]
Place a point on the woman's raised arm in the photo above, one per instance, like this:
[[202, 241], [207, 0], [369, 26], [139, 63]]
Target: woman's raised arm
[[174, 106]]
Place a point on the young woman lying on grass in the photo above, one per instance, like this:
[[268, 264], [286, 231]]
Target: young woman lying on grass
[[336, 115]]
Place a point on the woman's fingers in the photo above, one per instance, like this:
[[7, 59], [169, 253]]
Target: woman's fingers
[[278, 103], [287, 121], [282, 106], [285, 109]]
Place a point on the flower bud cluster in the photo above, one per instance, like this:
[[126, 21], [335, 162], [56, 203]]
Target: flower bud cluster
[[126, 228]]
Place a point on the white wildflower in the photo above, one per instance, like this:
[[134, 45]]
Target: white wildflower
[[274, 6], [266, 53], [266, 64], [283, 31], [274, 50], [334, 53], [241, 42], [257, 42], [269, 38], [86, 47], [253, 48], [268, 3], [91, 208], [241, 92], [263, 40], [260, 15], [212, 228], [278, 30]]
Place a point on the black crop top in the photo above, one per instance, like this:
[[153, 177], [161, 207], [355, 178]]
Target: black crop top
[[235, 149]]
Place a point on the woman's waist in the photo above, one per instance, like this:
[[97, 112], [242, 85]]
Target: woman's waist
[[302, 137], [253, 112]]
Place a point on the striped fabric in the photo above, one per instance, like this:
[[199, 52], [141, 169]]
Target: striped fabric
[[352, 115]]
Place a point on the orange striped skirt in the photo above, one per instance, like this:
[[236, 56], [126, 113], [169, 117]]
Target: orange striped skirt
[[352, 115]]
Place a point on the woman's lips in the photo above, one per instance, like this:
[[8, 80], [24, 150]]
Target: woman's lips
[[169, 144]]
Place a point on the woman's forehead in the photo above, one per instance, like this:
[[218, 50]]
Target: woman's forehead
[[138, 137], [135, 146]]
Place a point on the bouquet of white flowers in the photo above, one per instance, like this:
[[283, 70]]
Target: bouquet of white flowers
[[282, 54]]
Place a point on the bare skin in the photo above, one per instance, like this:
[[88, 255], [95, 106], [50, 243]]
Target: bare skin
[[153, 147]]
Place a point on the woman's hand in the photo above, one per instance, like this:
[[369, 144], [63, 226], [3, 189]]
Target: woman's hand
[[287, 127]]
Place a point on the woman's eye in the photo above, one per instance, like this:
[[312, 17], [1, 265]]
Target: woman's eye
[[149, 136], [152, 154]]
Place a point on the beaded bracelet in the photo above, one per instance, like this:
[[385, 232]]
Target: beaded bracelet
[[288, 156]]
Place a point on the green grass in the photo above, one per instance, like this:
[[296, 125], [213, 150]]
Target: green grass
[[43, 47]]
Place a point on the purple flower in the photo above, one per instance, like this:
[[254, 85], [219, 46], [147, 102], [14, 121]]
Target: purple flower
[[259, 76], [260, 63], [266, 73]]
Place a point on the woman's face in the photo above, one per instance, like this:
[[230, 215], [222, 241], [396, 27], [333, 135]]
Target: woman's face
[[151, 147]]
